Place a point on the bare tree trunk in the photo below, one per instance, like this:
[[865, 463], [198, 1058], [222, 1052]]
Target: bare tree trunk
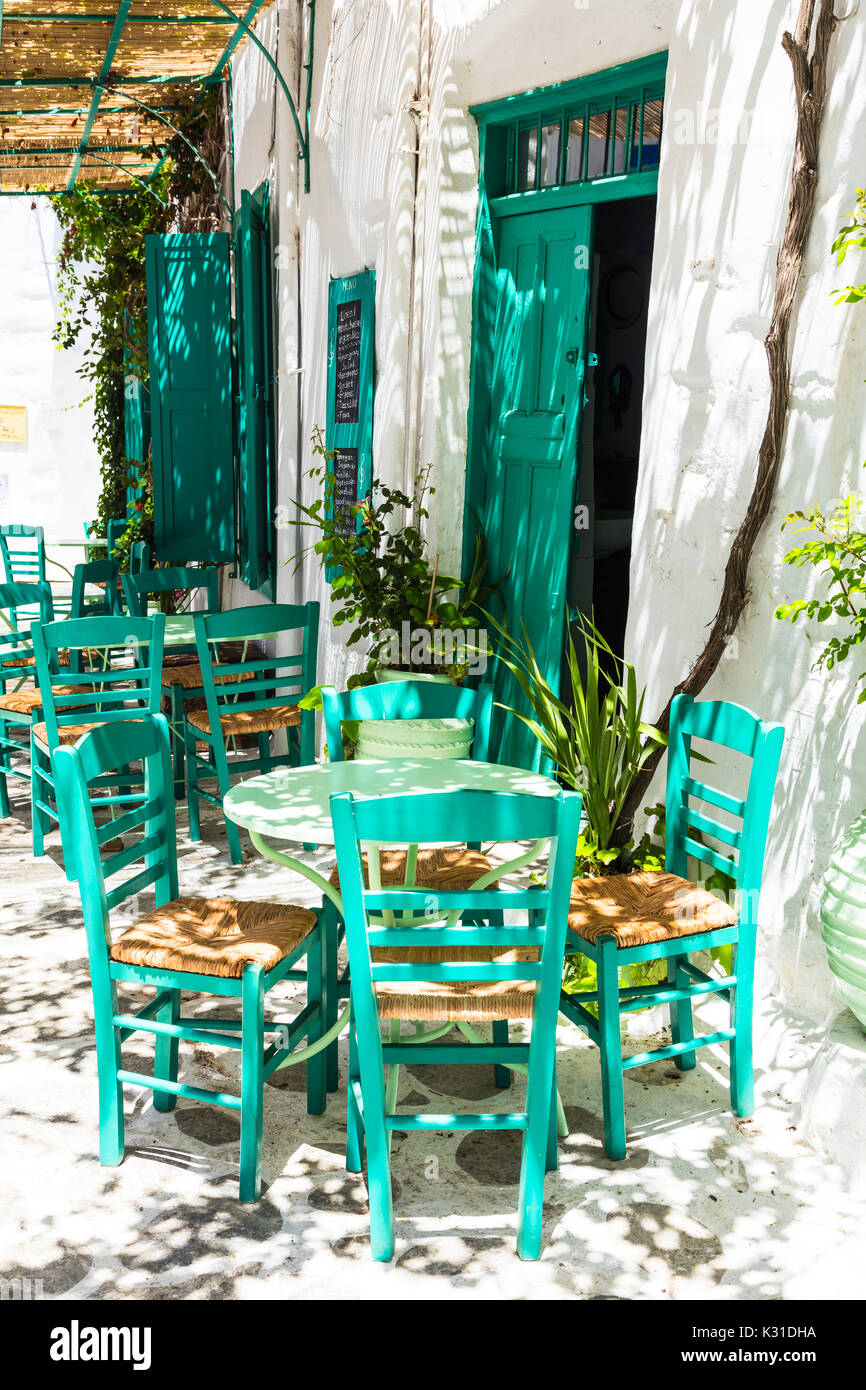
[[810, 88]]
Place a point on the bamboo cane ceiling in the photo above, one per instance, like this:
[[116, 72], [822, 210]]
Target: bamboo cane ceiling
[[76, 74]]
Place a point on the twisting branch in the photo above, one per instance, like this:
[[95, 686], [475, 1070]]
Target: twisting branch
[[810, 89]]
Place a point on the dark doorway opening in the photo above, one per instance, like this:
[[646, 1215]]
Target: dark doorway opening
[[622, 266]]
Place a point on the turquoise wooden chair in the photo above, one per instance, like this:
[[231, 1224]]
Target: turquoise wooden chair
[[113, 675], [439, 969], [407, 700], [629, 919], [181, 673], [251, 697], [105, 573], [187, 579], [17, 665], [22, 552], [235, 950], [455, 867]]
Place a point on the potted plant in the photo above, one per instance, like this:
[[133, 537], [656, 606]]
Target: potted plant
[[418, 622]]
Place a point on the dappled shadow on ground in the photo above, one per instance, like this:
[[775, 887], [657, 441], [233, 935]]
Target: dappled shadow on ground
[[703, 1206]]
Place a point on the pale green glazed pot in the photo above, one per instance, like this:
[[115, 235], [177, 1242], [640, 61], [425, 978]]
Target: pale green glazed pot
[[414, 738], [843, 916]]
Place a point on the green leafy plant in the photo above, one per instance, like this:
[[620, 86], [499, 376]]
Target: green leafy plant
[[836, 547], [596, 736], [101, 284], [381, 573], [852, 237]]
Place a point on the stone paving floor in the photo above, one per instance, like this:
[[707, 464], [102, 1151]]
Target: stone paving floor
[[704, 1206]]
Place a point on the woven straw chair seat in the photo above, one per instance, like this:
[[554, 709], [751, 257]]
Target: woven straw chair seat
[[453, 868], [27, 700], [63, 660], [67, 733], [190, 676], [214, 936], [643, 907], [256, 721], [475, 1001]]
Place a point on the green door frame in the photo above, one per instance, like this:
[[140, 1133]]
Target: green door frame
[[495, 119]]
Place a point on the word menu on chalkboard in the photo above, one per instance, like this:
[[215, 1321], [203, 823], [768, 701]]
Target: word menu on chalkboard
[[351, 368]]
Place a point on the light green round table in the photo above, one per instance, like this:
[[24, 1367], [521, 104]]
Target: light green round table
[[294, 803]]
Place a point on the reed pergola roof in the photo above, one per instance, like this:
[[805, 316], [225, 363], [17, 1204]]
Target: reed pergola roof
[[80, 81]]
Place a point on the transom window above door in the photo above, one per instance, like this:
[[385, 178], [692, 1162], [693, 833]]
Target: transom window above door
[[574, 141], [594, 141]]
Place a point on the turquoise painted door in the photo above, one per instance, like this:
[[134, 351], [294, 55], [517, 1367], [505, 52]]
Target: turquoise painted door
[[192, 423], [536, 402]]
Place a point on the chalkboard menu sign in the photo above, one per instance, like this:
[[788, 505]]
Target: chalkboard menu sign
[[345, 489], [347, 365], [351, 364]]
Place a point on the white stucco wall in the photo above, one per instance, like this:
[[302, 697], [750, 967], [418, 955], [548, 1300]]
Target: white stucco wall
[[722, 198], [53, 479]]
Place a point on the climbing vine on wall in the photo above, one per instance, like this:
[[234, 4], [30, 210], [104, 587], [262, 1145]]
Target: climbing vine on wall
[[102, 291]]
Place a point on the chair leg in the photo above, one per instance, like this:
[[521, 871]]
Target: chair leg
[[379, 1184], [501, 1075], [316, 1095], [611, 1050], [5, 758], [108, 1063], [264, 742], [330, 990], [166, 1053], [192, 785], [682, 1026], [354, 1122], [742, 1073], [540, 1083], [177, 739], [38, 790], [225, 786], [252, 1080], [551, 1162]]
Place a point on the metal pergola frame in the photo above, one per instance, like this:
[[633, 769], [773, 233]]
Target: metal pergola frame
[[123, 22]]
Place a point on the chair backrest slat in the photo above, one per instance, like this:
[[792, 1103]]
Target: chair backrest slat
[[409, 699], [77, 768], [22, 552], [94, 690], [722, 724], [16, 647], [140, 585], [277, 680]]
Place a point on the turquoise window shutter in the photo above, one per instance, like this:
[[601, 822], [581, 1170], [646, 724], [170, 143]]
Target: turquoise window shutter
[[254, 308], [189, 325]]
